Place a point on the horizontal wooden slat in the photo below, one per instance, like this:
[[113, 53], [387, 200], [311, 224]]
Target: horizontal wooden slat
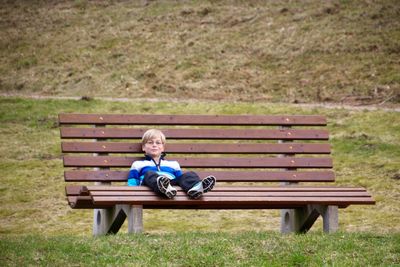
[[95, 176], [222, 176], [73, 190], [232, 202], [216, 134], [235, 194], [271, 176], [191, 119], [79, 190], [78, 204], [288, 162], [115, 147]]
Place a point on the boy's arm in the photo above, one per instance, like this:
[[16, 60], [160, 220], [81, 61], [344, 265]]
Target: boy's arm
[[133, 176], [178, 172]]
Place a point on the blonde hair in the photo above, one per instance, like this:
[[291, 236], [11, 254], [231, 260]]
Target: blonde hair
[[152, 134]]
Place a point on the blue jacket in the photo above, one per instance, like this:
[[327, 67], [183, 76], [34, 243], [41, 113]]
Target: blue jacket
[[168, 168]]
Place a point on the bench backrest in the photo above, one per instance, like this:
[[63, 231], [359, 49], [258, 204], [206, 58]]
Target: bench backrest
[[234, 148]]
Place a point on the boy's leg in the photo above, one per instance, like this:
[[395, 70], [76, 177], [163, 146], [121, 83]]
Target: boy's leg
[[191, 183], [159, 184], [187, 180], [150, 179]]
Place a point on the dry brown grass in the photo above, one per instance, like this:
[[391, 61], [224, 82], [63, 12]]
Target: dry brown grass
[[279, 51]]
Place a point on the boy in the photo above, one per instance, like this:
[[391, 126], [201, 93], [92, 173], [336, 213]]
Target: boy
[[160, 174]]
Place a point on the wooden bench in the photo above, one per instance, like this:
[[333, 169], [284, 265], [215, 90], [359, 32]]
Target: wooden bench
[[244, 153]]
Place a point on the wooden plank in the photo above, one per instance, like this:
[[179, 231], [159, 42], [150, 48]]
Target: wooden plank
[[222, 176], [77, 203], [291, 188], [119, 119], [95, 176], [270, 176], [267, 162], [231, 201], [271, 203], [212, 134], [234, 194], [100, 147], [72, 190], [171, 148]]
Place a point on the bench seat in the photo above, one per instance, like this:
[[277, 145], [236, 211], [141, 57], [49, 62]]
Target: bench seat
[[221, 197]]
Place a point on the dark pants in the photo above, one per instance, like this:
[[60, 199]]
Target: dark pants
[[185, 181]]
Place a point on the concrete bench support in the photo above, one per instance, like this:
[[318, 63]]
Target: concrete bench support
[[109, 221], [301, 220], [135, 218]]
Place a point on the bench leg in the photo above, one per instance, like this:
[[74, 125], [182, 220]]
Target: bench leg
[[135, 218], [298, 220], [330, 217], [301, 220], [287, 221], [101, 221], [108, 221]]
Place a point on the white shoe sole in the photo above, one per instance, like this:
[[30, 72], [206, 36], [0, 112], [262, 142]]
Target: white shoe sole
[[163, 184], [207, 184]]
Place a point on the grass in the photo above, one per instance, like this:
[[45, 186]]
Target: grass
[[204, 249], [276, 51]]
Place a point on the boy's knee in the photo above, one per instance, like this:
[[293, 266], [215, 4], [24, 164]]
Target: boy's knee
[[149, 174], [191, 174]]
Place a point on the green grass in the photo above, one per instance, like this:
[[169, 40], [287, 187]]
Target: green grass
[[204, 249], [276, 51]]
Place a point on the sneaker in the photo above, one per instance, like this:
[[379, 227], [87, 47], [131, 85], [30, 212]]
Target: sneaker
[[202, 187], [208, 183], [165, 187]]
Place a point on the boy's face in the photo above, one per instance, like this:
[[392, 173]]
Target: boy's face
[[153, 147]]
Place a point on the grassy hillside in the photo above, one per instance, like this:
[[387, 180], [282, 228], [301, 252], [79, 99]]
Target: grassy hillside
[[277, 51], [366, 151]]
